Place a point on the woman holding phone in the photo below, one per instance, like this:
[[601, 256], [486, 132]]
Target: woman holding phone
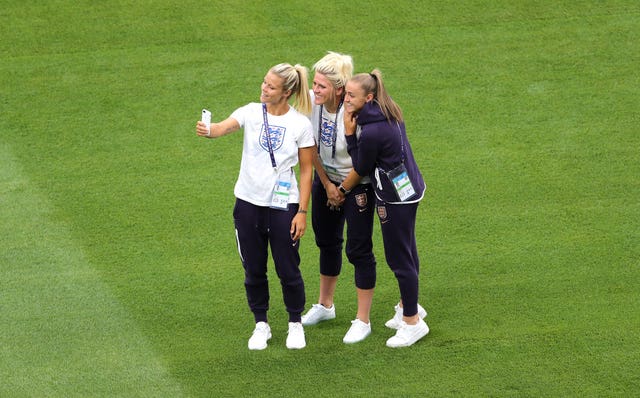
[[271, 206]]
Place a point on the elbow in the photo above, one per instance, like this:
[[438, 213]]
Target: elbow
[[359, 171]]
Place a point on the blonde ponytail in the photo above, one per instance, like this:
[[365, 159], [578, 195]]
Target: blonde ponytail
[[372, 84], [295, 79]]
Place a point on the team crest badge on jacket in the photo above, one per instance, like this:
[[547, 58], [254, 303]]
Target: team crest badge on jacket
[[382, 212], [276, 134], [361, 199]]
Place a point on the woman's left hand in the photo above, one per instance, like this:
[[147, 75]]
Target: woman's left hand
[[334, 196], [298, 226]]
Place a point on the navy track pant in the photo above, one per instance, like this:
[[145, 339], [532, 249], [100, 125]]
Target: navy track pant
[[257, 228], [398, 224]]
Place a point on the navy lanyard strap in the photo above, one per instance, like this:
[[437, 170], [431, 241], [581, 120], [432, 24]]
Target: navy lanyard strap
[[268, 134], [401, 141], [335, 130], [320, 127]]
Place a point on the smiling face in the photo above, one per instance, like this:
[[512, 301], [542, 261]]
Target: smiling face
[[272, 91], [323, 90], [355, 97]]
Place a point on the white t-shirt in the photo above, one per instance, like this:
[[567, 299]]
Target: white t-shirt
[[338, 167], [288, 132]]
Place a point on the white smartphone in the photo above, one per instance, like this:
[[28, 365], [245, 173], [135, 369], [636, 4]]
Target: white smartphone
[[206, 118]]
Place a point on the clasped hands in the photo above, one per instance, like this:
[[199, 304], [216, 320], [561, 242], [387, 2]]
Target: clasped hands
[[335, 198]]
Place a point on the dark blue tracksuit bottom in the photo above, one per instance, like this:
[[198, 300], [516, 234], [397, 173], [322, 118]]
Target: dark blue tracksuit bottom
[[328, 227], [258, 227], [398, 225]]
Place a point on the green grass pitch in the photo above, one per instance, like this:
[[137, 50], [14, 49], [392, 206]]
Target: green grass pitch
[[119, 275]]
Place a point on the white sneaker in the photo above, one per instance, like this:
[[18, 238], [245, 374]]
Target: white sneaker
[[394, 323], [295, 338], [261, 334], [318, 313], [357, 332], [408, 334]]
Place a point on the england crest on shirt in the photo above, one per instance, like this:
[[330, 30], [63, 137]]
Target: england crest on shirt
[[276, 134]]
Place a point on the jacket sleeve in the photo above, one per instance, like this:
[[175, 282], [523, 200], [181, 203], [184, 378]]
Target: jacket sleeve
[[352, 148], [363, 152]]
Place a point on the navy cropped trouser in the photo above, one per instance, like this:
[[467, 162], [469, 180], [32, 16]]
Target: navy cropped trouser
[[328, 227]]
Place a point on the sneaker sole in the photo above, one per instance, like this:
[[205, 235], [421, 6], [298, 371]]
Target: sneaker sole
[[356, 341], [307, 323], [408, 343]]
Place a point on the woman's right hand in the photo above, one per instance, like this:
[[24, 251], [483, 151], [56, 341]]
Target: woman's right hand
[[349, 123], [202, 130]]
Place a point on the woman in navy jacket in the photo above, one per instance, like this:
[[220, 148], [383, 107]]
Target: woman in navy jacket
[[383, 153]]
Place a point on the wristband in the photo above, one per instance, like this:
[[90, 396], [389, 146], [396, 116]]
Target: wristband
[[302, 211], [343, 190]]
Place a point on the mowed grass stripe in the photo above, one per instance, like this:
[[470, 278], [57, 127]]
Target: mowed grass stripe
[[63, 333]]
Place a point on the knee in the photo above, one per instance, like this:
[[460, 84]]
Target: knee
[[365, 281], [360, 255]]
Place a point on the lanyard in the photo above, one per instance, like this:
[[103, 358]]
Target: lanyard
[[401, 141], [268, 134], [335, 130]]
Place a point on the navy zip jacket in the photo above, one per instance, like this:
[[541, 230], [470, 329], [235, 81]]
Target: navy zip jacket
[[379, 149]]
